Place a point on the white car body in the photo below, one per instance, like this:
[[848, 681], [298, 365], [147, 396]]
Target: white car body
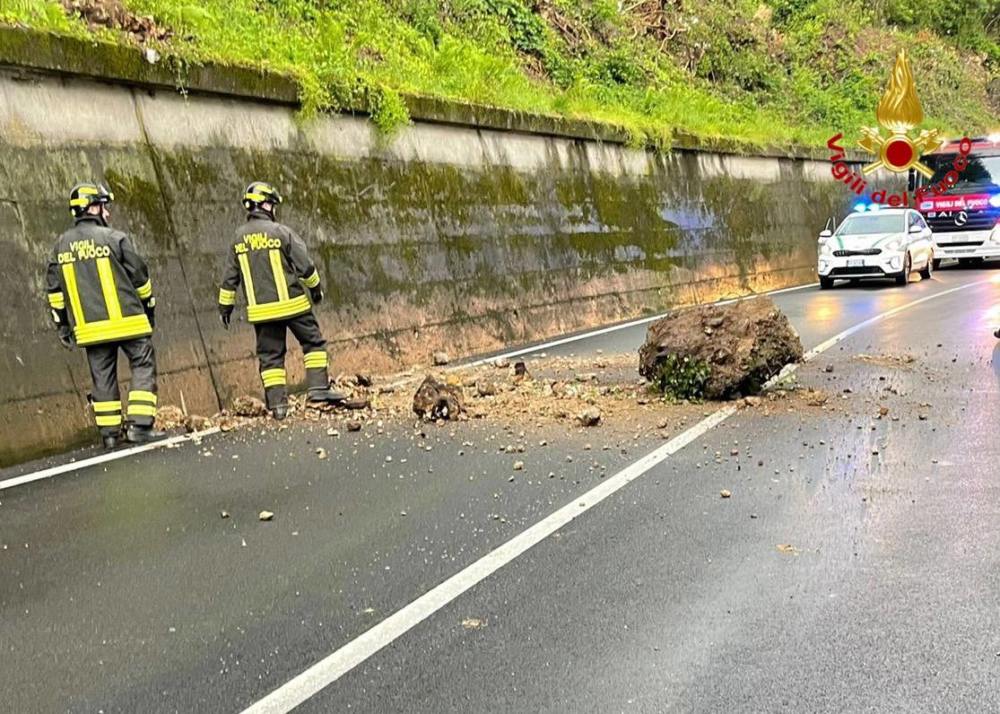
[[877, 243]]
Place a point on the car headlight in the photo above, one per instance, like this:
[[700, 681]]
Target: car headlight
[[894, 245], [824, 248]]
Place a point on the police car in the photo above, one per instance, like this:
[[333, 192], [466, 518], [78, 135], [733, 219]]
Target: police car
[[875, 242]]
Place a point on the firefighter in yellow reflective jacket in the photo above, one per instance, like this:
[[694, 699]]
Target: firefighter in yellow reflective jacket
[[102, 300], [273, 265]]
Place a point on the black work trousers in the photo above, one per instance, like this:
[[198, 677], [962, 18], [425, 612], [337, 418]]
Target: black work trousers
[[106, 397], [271, 350]]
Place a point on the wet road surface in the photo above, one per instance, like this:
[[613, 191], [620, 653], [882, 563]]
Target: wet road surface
[[123, 589]]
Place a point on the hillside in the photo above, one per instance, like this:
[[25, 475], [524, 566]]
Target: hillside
[[773, 72]]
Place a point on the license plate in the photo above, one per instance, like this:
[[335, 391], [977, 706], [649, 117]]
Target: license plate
[[959, 250], [856, 263]]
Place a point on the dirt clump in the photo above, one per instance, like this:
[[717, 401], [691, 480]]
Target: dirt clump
[[247, 406], [437, 400], [113, 14], [719, 351]]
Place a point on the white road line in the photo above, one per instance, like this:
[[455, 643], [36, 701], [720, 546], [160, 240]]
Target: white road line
[[331, 668], [604, 330], [102, 459]]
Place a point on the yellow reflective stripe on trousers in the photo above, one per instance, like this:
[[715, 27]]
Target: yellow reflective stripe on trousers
[[278, 270], [247, 279], [57, 300], [141, 410], [110, 290], [107, 406], [145, 290], [69, 278], [115, 420], [112, 330], [315, 359], [139, 395], [227, 297], [273, 377], [278, 310]]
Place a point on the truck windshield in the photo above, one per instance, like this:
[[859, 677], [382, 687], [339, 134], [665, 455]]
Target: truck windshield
[[982, 174], [871, 223]]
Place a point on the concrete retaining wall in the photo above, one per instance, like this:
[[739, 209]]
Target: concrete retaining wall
[[443, 237]]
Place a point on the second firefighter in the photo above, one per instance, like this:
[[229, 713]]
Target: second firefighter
[[272, 264]]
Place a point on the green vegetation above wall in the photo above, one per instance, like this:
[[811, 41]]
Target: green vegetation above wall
[[769, 73]]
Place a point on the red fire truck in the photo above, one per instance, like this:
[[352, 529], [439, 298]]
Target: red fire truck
[[965, 217]]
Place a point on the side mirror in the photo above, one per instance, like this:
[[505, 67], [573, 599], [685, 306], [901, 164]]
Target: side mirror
[[916, 229], [825, 234]]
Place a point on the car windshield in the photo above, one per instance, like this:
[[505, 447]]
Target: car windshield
[[869, 224], [982, 173]]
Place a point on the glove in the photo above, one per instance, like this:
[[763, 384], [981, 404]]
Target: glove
[[151, 314], [316, 294], [225, 314], [66, 337]]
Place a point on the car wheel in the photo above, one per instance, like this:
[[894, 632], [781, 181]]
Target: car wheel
[[825, 283], [904, 277], [936, 263], [928, 270]]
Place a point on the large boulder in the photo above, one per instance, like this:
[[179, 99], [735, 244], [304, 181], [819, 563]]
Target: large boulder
[[719, 351]]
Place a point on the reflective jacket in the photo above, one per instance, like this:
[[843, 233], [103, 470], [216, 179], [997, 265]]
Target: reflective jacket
[[98, 284], [273, 265]]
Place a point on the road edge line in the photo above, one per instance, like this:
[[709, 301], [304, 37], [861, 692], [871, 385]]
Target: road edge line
[[103, 458]]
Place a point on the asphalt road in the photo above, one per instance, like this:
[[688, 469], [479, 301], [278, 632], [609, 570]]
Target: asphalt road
[[123, 590]]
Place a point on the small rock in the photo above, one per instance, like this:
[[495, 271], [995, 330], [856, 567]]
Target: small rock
[[586, 377], [725, 493], [354, 426], [518, 465], [223, 514], [364, 380], [332, 432], [441, 359], [501, 363], [265, 515], [828, 369], [590, 416], [485, 388], [321, 453]]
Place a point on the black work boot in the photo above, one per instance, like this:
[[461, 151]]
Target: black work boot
[[279, 412], [110, 441], [326, 396], [136, 434]]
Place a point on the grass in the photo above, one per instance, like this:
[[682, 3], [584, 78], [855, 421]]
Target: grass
[[781, 72]]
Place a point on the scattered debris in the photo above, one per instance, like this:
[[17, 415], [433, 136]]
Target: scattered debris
[[223, 514], [265, 516], [519, 466], [321, 453], [900, 361], [441, 359], [725, 493], [787, 549], [473, 623]]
